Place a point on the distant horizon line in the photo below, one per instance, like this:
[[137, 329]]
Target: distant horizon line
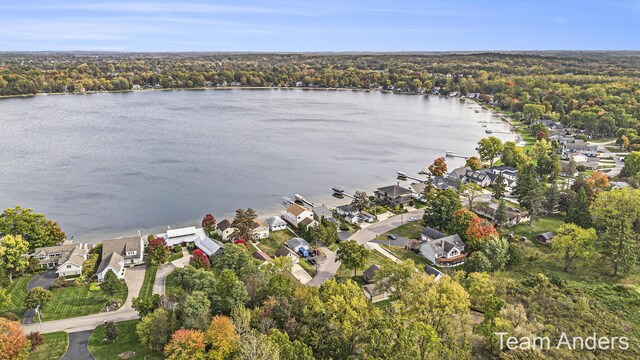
[[327, 52]]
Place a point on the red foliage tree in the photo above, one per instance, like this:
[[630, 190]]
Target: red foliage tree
[[186, 344], [200, 260], [541, 135], [460, 222], [439, 167], [479, 230], [36, 340], [158, 252], [13, 343], [240, 241], [209, 224]]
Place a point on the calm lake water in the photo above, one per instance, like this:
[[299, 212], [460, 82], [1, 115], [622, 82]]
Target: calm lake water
[[109, 164]]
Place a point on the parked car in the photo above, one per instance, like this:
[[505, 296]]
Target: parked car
[[412, 219], [303, 252], [392, 237], [311, 260]]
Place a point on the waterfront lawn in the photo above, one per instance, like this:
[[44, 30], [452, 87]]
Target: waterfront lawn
[[543, 224], [275, 240], [404, 254], [147, 286], [17, 291], [374, 258], [127, 341], [78, 301], [410, 230], [54, 347]]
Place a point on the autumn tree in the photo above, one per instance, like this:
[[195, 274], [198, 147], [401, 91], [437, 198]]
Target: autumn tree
[[352, 255], [13, 344], [158, 252], [13, 254], [222, 337], [459, 222], [360, 200], [479, 230], [490, 148], [186, 344], [617, 214], [199, 260], [572, 242], [439, 167], [34, 228], [209, 225], [37, 297], [474, 163], [257, 346], [440, 207]]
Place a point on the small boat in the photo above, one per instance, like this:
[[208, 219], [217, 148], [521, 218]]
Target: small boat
[[298, 197], [450, 153], [484, 125], [401, 175], [338, 189], [488, 131], [477, 111]]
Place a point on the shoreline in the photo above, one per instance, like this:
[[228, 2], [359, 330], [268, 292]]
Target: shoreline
[[268, 211]]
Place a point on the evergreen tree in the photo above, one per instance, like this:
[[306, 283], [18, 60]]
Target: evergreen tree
[[499, 187], [501, 213], [579, 210], [110, 331], [529, 191], [552, 198]]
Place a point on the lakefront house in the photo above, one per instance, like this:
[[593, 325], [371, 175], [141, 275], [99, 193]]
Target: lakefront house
[[117, 254], [447, 251]]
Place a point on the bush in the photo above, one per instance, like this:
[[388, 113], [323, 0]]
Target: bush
[[36, 340], [61, 282], [111, 283], [176, 248], [191, 246], [111, 332], [10, 316]]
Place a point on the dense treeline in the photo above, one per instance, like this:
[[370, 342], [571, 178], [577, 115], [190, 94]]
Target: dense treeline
[[597, 92]]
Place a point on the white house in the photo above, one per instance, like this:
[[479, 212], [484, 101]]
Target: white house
[[275, 223], [259, 229], [194, 235], [119, 253], [225, 230], [346, 210], [72, 264], [296, 213], [447, 251], [67, 258]]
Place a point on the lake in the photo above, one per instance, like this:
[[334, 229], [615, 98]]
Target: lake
[[110, 164]]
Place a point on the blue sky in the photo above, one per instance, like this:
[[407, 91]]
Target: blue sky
[[430, 25]]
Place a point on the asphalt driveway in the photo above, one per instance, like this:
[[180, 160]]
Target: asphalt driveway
[[78, 350], [44, 280]]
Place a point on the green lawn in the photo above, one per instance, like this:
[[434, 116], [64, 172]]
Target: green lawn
[[410, 230], [54, 347], [147, 286], [170, 286], [311, 269], [404, 254], [17, 291], [78, 301], [275, 240], [543, 224], [175, 256], [127, 341], [374, 258]]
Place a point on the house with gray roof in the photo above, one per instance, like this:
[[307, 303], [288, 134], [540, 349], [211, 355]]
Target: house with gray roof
[[429, 233], [447, 251], [276, 223], [296, 243], [120, 253], [394, 194], [67, 258]]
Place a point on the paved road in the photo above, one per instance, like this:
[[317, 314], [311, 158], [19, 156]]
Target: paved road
[[329, 268], [134, 278], [78, 350]]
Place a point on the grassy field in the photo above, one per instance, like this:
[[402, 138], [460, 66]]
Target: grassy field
[[311, 269], [170, 286], [54, 347], [543, 224], [127, 341], [147, 286], [275, 240], [77, 301], [17, 291], [374, 258], [410, 230], [405, 254]]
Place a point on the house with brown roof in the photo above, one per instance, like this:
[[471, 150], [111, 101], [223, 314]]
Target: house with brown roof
[[259, 229], [120, 253], [225, 230], [296, 213]]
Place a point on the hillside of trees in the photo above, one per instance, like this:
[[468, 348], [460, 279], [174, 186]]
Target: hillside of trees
[[598, 92]]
